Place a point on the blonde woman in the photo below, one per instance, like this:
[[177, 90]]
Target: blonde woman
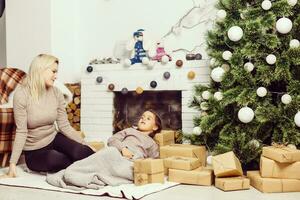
[[37, 105]]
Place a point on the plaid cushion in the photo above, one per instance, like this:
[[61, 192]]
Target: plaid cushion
[[9, 78], [7, 129]]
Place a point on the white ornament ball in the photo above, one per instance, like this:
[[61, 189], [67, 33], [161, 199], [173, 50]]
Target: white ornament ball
[[186, 141], [246, 114], [261, 91], [286, 99], [271, 59], [197, 130], [297, 119], [127, 62], [218, 96], [226, 55], [292, 2], [217, 74], [266, 5], [209, 160], [291, 146], [294, 43], [212, 61], [235, 33], [284, 25], [221, 14], [249, 66], [203, 114], [151, 64], [145, 61], [164, 59], [204, 106], [206, 95], [254, 143], [226, 67]]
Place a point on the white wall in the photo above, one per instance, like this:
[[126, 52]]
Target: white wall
[[2, 41], [103, 22], [78, 31], [28, 31], [65, 38]]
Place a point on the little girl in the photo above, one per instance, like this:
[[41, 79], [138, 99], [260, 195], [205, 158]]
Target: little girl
[[113, 165], [138, 143]]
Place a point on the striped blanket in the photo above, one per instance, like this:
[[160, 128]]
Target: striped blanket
[[9, 78], [7, 129]]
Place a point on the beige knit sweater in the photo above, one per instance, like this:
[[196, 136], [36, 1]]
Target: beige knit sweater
[[35, 121]]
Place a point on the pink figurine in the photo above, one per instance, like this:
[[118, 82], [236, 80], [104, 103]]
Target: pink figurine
[[161, 55]]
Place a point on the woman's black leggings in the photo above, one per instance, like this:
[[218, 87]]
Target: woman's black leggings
[[59, 154]]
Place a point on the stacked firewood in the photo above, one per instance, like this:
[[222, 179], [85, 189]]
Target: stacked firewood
[[73, 108]]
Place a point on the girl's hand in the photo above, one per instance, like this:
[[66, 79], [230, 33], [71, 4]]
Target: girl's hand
[[12, 172], [126, 153]]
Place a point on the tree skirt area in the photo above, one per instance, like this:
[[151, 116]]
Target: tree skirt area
[[128, 191]]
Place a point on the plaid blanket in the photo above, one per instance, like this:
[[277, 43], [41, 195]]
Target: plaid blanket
[[7, 129], [9, 78]]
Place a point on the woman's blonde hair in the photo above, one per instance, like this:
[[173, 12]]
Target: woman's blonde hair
[[34, 81]]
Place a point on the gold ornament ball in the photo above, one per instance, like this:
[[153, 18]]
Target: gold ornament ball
[[191, 75], [139, 90]]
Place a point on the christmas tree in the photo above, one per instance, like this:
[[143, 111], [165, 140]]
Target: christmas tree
[[254, 95]]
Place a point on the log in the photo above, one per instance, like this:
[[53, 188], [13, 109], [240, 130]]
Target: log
[[70, 116], [76, 126], [69, 110], [77, 112], [77, 91], [77, 100], [76, 118], [73, 106]]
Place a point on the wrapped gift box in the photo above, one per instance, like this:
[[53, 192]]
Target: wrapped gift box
[[165, 137], [149, 166], [180, 162], [273, 169], [281, 154], [185, 150], [232, 183], [148, 171], [198, 176], [227, 165], [270, 185], [142, 178]]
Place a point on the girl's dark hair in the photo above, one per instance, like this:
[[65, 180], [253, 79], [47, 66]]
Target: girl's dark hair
[[157, 123]]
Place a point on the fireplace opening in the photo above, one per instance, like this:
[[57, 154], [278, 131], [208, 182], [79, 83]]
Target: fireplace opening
[[129, 107]]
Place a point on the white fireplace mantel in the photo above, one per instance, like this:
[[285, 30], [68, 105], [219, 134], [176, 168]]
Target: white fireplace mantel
[[97, 109]]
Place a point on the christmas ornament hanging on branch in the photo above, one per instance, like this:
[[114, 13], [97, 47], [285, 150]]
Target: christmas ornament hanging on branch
[[284, 25], [266, 5], [235, 33], [245, 114]]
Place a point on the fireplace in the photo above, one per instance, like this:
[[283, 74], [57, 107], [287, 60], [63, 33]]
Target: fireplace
[[129, 107], [105, 111]]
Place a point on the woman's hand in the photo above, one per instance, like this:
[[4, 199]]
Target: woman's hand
[[12, 172], [126, 153]]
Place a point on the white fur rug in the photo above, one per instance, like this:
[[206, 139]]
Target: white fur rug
[[128, 191]]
